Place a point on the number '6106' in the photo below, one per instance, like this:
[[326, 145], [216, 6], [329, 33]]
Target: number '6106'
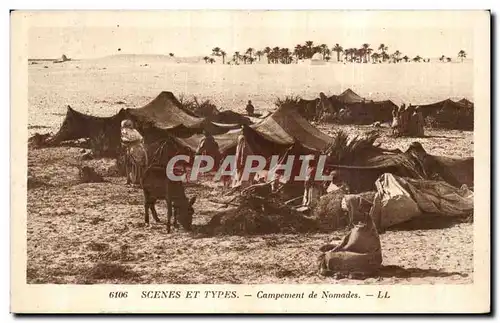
[[118, 295]]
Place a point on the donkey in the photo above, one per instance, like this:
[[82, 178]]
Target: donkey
[[157, 186]]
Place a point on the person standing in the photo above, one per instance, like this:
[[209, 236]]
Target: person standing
[[136, 158], [419, 122], [250, 108], [402, 120], [395, 121]]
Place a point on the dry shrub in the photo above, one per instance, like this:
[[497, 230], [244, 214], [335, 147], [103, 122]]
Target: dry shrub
[[287, 101], [98, 246], [34, 182], [38, 140], [107, 254], [107, 167], [343, 150], [105, 270], [89, 175], [328, 212], [96, 220], [204, 108], [245, 220]]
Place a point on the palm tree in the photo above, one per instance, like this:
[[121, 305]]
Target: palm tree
[[216, 51], [211, 60], [287, 55], [448, 59], [347, 52], [309, 45], [369, 53], [223, 54], [298, 51], [327, 58], [276, 54], [385, 56], [206, 58], [375, 57], [417, 59], [249, 51], [366, 47], [236, 57], [396, 55], [354, 54], [338, 49], [406, 58], [383, 50], [259, 54], [442, 58], [323, 49], [462, 54], [267, 50]]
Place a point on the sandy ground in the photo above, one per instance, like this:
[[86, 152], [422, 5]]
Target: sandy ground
[[94, 233]]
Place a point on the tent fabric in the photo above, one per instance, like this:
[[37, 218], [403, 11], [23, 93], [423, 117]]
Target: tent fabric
[[415, 163], [400, 199], [225, 141], [450, 114], [165, 112], [465, 102], [103, 132], [229, 117], [368, 112], [433, 108], [163, 116], [281, 129], [349, 96], [285, 126]]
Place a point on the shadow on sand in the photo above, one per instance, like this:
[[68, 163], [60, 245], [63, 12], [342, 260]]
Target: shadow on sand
[[393, 271], [400, 272], [440, 137], [430, 223]]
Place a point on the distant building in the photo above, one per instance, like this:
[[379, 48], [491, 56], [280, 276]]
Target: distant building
[[317, 59]]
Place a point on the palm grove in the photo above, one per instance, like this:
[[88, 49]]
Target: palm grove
[[364, 54]]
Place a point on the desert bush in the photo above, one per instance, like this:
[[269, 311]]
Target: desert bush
[[106, 270], [198, 108], [98, 246], [288, 101], [343, 150], [34, 182]]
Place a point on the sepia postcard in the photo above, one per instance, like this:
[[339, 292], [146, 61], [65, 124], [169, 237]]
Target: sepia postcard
[[219, 161]]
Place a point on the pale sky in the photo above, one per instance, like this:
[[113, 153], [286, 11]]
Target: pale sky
[[193, 33]]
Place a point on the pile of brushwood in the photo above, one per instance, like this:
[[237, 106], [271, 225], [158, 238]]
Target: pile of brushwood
[[259, 210]]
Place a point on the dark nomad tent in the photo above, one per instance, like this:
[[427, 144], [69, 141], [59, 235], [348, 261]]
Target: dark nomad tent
[[274, 134], [355, 109], [415, 162], [166, 114], [163, 116], [368, 112], [103, 132], [350, 97], [449, 114]]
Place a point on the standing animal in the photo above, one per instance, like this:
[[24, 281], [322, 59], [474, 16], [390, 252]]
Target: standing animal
[[157, 186]]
